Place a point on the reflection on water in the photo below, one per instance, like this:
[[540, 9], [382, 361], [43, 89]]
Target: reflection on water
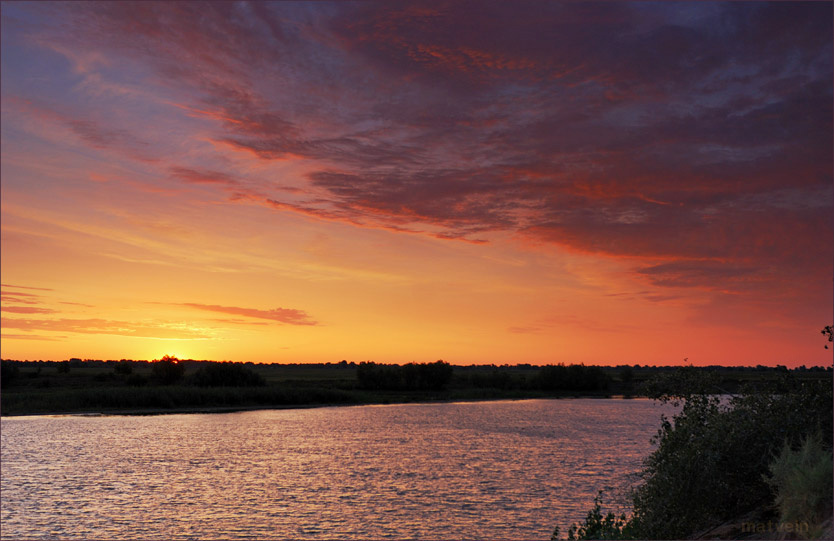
[[486, 470]]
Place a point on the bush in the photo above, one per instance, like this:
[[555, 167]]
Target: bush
[[227, 374], [801, 479], [8, 373], [123, 367], [413, 377], [136, 380], [496, 379], [576, 377], [712, 457], [710, 460], [599, 526], [168, 370]]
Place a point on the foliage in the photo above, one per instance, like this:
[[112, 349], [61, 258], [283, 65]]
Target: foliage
[[425, 376], [680, 385], [136, 380], [576, 377], [8, 373], [801, 479], [227, 374], [828, 330], [497, 379], [711, 457], [168, 370], [627, 375], [123, 367], [599, 526]]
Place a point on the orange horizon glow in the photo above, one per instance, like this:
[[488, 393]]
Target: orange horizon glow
[[313, 182]]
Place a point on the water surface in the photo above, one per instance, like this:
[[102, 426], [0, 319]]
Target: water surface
[[488, 470]]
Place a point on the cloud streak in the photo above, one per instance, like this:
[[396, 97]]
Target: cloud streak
[[289, 316], [105, 326]]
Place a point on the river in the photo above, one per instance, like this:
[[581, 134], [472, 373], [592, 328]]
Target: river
[[486, 470]]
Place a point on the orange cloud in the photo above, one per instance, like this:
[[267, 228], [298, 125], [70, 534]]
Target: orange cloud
[[26, 310], [289, 316], [104, 326]]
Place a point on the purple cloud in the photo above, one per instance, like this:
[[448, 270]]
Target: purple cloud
[[694, 139]]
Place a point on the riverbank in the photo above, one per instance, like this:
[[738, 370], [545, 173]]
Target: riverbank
[[15, 405], [141, 388]]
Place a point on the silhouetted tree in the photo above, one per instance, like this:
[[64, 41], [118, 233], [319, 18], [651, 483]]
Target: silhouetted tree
[[377, 377], [8, 373], [123, 367], [434, 376], [413, 377], [227, 374], [576, 377], [828, 331], [168, 370], [496, 379], [627, 375]]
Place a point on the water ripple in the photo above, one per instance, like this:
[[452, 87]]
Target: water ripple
[[490, 470]]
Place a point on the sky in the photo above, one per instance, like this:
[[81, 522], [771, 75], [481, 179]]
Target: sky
[[479, 182]]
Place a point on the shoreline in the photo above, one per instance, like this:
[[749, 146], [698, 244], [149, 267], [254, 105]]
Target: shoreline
[[186, 410]]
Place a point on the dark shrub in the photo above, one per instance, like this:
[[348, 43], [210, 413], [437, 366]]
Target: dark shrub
[[227, 374], [136, 380], [168, 370], [713, 457], [8, 373], [713, 460], [576, 377], [123, 367], [413, 377], [496, 379], [376, 377]]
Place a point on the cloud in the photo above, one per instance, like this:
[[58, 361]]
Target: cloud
[[30, 299], [95, 133], [104, 326], [289, 316], [20, 297], [26, 310], [33, 337], [202, 176], [694, 139], [525, 330], [26, 287], [99, 136]]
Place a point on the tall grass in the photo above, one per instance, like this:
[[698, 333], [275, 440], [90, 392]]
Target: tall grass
[[802, 480]]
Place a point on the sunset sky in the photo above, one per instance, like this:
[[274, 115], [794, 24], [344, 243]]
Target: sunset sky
[[476, 182]]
